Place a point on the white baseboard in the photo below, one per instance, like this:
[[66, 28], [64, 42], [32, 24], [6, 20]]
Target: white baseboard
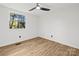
[[61, 42], [10, 43]]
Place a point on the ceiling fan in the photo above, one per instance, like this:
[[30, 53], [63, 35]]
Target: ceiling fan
[[40, 8]]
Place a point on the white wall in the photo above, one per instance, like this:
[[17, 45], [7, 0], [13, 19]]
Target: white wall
[[9, 36], [63, 24]]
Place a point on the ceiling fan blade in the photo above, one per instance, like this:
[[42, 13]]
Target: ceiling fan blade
[[32, 9], [45, 9]]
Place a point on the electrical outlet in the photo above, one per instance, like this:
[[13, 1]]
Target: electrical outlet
[[19, 36], [51, 36]]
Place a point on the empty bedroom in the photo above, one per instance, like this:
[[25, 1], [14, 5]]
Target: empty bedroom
[[39, 29]]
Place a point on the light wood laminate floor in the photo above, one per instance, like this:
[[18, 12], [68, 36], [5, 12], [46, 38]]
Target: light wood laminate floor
[[38, 47]]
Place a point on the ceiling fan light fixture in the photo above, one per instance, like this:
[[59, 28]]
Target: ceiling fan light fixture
[[38, 7]]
